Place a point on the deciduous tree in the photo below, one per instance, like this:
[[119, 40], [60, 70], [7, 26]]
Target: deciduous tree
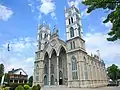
[[114, 16], [113, 72]]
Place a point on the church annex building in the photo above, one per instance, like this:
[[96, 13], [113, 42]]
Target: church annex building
[[67, 63]]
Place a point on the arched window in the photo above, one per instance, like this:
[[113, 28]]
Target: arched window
[[74, 68], [69, 21], [73, 44], [37, 73], [79, 31], [85, 69], [45, 80], [39, 45], [72, 19], [45, 69], [60, 62], [41, 35], [71, 32], [45, 35], [52, 68], [52, 80]]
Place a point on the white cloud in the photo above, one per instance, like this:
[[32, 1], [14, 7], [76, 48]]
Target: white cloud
[[30, 59], [109, 24], [21, 54], [5, 13], [109, 50], [53, 15], [74, 2], [45, 7], [84, 13]]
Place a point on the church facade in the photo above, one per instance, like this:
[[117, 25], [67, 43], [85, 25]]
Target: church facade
[[67, 63]]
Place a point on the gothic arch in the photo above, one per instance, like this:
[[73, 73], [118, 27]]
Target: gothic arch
[[46, 54], [46, 63], [51, 52], [59, 49]]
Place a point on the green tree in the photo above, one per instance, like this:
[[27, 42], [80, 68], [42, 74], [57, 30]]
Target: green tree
[[6, 77], [31, 80], [1, 69], [113, 72], [114, 16]]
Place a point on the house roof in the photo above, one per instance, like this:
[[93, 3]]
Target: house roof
[[15, 70]]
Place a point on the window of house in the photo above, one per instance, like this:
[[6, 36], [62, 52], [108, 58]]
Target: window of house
[[37, 73], [74, 68], [71, 32], [20, 73]]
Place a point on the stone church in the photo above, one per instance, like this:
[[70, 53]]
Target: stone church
[[66, 63]]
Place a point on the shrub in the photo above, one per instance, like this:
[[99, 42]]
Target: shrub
[[34, 88], [6, 88], [30, 88], [26, 87], [19, 88], [38, 86], [30, 84]]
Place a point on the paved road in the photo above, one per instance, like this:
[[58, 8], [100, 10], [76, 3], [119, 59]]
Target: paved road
[[64, 88]]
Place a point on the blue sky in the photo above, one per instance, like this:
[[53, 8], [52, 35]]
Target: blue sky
[[18, 26]]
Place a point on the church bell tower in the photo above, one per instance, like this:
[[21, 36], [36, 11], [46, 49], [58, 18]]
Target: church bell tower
[[75, 44], [74, 28], [43, 36]]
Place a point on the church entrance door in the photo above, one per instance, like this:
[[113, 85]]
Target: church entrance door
[[60, 81], [60, 78]]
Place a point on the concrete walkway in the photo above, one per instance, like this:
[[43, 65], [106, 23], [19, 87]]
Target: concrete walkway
[[65, 88]]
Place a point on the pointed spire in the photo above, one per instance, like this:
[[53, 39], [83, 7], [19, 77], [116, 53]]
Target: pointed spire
[[98, 53], [65, 8]]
